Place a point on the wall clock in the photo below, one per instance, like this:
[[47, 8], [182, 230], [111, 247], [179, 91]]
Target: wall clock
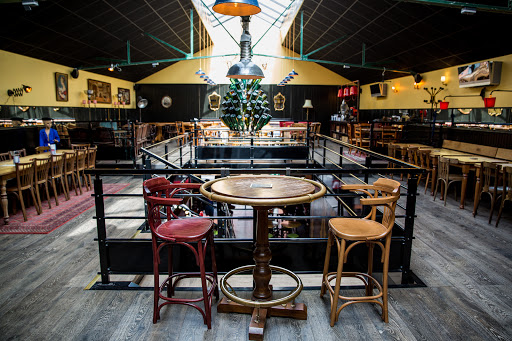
[[166, 102]]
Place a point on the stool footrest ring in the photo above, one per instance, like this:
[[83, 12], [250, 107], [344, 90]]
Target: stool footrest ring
[[260, 304]]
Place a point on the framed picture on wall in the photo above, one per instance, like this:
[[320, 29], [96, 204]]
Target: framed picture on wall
[[279, 100], [61, 87], [101, 91], [125, 95], [214, 100]]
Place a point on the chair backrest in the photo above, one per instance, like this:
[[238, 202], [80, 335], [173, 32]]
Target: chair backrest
[[5, 156], [412, 153], [25, 175], [57, 165], [44, 149], [69, 162], [80, 146], [21, 152], [389, 194], [81, 155], [507, 183], [424, 155], [91, 157], [388, 134], [490, 174], [444, 167], [41, 169], [350, 132]]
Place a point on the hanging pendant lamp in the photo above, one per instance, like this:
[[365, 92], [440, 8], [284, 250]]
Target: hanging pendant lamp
[[199, 72], [245, 68], [237, 7], [293, 73], [203, 76]]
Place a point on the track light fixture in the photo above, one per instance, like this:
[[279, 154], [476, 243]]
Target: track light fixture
[[18, 92]]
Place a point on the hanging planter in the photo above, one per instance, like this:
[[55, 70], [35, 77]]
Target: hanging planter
[[489, 102], [444, 105]]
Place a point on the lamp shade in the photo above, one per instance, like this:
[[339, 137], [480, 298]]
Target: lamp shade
[[340, 93], [245, 69], [237, 7], [353, 90], [444, 105], [346, 92], [307, 104], [489, 102]]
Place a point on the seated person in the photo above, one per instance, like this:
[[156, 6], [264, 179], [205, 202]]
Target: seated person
[[48, 135]]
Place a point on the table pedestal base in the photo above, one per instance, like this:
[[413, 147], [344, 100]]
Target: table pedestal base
[[297, 311]]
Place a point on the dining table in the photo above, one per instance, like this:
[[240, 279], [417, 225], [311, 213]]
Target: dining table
[[471, 162], [434, 155], [8, 171], [263, 193]]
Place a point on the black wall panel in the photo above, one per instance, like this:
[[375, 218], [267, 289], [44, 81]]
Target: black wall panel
[[190, 101]]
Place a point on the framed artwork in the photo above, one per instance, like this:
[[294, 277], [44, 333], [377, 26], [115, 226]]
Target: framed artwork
[[214, 100], [125, 95], [279, 100], [61, 87], [101, 91]]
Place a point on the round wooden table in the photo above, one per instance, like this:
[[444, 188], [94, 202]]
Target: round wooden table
[[263, 193]]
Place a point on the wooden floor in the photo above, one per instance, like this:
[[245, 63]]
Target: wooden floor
[[465, 263]]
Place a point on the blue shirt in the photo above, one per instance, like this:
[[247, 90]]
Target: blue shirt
[[44, 141]]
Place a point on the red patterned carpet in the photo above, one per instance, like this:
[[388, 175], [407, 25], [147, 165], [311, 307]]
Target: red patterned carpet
[[55, 217]]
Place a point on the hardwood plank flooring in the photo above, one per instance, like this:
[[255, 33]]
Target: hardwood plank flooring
[[465, 263]]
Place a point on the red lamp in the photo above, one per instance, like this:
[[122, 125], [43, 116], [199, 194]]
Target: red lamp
[[340, 92], [353, 90], [444, 105], [489, 102], [346, 92]]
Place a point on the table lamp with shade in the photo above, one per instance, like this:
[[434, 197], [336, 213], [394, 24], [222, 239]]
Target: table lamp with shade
[[307, 105]]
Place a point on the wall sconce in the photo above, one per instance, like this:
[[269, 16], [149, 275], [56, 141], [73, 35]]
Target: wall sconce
[[17, 92], [395, 89], [443, 80], [111, 68], [417, 86]]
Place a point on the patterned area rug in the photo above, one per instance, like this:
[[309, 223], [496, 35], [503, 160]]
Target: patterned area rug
[[55, 217], [357, 158]]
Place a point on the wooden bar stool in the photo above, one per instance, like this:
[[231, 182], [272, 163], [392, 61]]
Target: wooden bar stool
[[158, 193], [363, 231]]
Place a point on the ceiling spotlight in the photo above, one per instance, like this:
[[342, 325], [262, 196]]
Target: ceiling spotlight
[[111, 68], [346, 66], [237, 7], [155, 64], [245, 68], [27, 88], [118, 68]]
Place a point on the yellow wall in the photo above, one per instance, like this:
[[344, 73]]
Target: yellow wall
[[410, 98], [16, 70], [276, 69]]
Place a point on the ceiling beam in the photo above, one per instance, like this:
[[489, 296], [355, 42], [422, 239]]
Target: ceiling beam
[[459, 4]]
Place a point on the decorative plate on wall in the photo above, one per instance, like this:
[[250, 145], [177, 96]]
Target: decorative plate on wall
[[166, 102]]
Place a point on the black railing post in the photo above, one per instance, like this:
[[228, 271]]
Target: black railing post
[[101, 229], [367, 164], [325, 150], [166, 151], [341, 156], [410, 212], [181, 152]]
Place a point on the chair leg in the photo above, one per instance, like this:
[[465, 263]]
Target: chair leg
[[55, 192], [446, 192], [326, 265], [369, 286], [214, 266], [48, 195], [22, 204], [66, 194], [36, 203], [500, 211], [437, 186], [170, 288], [385, 279], [79, 183], [493, 203], [39, 207], [156, 283], [206, 298], [73, 178], [427, 182], [339, 272]]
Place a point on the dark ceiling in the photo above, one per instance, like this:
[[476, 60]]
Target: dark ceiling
[[398, 34]]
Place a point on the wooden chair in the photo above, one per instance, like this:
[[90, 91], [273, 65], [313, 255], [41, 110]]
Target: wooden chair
[[40, 150], [388, 135], [298, 135], [362, 135], [91, 162], [392, 153], [445, 177], [5, 156], [41, 170], [363, 231], [81, 156], [56, 171], [506, 194], [413, 154], [158, 194], [70, 171], [425, 163], [350, 136], [21, 153], [24, 181], [76, 146]]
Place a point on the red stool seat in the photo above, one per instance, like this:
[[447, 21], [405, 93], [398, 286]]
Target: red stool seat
[[184, 230], [159, 194]]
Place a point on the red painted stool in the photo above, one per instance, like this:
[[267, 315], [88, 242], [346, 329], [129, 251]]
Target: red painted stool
[[159, 194]]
